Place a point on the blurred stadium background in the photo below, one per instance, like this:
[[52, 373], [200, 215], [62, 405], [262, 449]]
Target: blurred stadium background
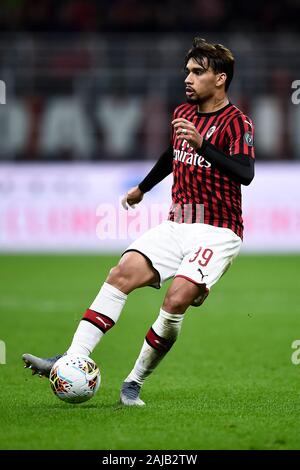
[[74, 68], [71, 70]]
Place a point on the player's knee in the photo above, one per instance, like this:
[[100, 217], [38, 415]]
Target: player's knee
[[175, 304], [120, 278], [113, 275]]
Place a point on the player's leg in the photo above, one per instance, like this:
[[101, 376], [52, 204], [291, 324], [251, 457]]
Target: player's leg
[[151, 250], [201, 267], [132, 271], [208, 252], [161, 336]]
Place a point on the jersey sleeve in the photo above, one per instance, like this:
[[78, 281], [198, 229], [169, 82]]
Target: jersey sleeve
[[237, 159], [240, 134], [162, 168]]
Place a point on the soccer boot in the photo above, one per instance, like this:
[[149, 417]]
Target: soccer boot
[[39, 365], [130, 394]]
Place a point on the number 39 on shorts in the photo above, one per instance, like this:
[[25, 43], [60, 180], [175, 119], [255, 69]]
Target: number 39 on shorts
[[203, 255]]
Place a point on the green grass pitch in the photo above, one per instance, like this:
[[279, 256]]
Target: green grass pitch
[[228, 383]]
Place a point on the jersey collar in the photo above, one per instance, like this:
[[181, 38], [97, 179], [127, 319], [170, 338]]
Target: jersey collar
[[214, 113]]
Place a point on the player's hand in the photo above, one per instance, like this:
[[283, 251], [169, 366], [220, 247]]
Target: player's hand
[[133, 196], [186, 130]]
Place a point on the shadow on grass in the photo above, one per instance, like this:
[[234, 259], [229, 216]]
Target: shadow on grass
[[93, 406]]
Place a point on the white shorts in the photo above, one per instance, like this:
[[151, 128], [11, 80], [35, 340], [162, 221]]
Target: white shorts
[[198, 252]]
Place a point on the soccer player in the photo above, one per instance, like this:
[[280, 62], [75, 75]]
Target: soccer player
[[211, 154]]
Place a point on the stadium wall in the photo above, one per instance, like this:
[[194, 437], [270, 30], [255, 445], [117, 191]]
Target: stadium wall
[[77, 207]]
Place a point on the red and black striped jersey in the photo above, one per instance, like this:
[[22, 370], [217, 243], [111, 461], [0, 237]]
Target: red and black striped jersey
[[201, 192]]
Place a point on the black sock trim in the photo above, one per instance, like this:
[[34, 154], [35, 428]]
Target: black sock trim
[[95, 324]]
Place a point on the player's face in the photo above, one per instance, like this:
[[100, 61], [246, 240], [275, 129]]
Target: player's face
[[200, 82]]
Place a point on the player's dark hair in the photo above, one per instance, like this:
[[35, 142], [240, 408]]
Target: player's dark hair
[[219, 58]]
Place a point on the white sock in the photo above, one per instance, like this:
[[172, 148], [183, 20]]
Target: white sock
[[98, 319], [158, 342]]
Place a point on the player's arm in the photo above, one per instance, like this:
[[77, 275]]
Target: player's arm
[[238, 166], [239, 163], [162, 168]]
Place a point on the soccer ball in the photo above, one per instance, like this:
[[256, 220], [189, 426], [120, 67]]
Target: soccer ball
[[75, 378]]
